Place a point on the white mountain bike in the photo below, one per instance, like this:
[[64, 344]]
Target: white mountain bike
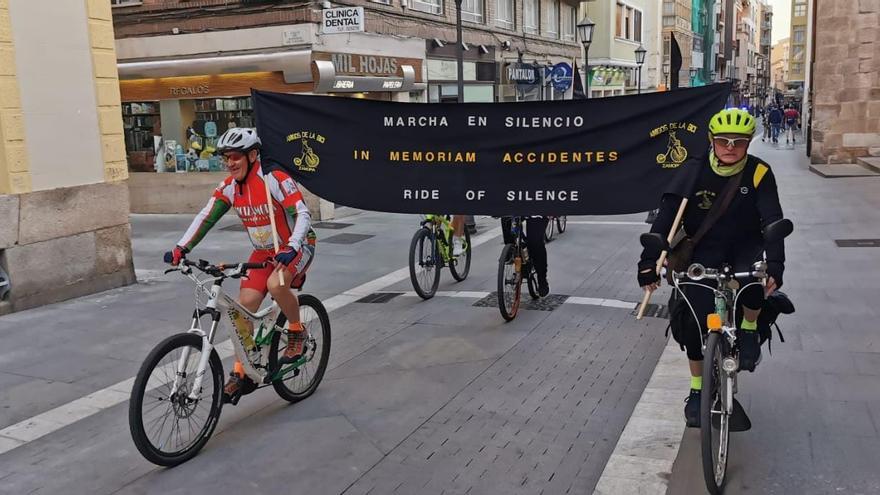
[[178, 393]]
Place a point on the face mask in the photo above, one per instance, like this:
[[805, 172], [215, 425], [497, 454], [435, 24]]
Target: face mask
[[726, 170]]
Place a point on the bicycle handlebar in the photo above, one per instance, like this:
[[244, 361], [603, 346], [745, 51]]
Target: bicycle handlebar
[[240, 269], [697, 271]]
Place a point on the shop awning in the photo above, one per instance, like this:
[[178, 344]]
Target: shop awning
[[295, 65]]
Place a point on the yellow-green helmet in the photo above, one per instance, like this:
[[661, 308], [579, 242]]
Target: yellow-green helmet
[[732, 121]]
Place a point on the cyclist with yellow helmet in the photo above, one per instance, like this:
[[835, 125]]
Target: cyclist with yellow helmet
[[735, 239]]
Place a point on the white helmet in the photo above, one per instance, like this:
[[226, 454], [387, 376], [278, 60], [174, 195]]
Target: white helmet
[[238, 139]]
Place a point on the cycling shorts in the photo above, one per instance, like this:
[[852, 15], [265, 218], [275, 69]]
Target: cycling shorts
[[257, 279]]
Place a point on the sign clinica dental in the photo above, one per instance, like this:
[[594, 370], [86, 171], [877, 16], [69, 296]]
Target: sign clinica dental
[[342, 20]]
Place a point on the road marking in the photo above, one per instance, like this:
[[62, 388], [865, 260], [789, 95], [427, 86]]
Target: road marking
[[30, 429], [588, 301], [600, 222]]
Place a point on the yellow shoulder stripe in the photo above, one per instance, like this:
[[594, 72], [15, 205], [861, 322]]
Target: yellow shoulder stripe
[[759, 174]]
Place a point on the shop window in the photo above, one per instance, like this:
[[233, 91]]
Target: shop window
[[504, 14], [140, 122], [531, 16], [472, 10], [551, 15], [429, 6]]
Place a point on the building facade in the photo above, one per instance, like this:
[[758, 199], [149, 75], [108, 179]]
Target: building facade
[[677, 21], [703, 27], [186, 70], [779, 65], [64, 202], [765, 17], [844, 118], [621, 27], [797, 51]]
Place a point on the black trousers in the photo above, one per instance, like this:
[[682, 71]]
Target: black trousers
[[534, 241], [687, 331]]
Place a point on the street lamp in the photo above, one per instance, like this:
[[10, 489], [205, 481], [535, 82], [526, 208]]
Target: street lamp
[[640, 59], [693, 73], [459, 51], [666, 75], [585, 32]]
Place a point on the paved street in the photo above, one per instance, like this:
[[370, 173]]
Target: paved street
[[442, 396]]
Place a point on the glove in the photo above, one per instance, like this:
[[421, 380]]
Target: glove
[[175, 255], [286, 255], [648, 273], [775, 269]]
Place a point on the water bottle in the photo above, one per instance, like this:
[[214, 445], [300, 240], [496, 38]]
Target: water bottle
[[244, 334]]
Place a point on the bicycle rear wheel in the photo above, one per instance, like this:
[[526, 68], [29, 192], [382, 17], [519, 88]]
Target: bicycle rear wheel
[[302, 382], [548, 230], [461, 265], [424, 263], [561, 223], [509, 283], [170, 428], [714, 415]]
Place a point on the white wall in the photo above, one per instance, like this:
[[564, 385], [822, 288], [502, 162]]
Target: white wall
[[55, 77]]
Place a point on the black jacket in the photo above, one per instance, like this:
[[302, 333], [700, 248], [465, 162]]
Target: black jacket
[[754, 206]]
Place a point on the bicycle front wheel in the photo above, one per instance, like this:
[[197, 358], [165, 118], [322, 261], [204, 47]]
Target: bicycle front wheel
[[561, 223], [461, 265], [168, 426], [302, 382], [714, 416], [509, 283], [424, 263]]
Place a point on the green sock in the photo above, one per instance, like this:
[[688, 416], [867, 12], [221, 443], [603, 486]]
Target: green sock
[[750, 326], [696, 383]]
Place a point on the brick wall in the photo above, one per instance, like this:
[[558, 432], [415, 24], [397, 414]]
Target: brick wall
[[846, 84]]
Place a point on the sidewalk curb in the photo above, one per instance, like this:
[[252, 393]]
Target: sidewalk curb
[[642, 460]]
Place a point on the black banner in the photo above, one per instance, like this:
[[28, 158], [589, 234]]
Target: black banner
[[600, 156]]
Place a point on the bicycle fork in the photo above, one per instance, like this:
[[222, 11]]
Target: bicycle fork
[[207, 347]]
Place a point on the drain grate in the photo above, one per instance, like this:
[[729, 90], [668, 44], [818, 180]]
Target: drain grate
[[379, 297], [346, 238], [549, 303], [331, 225], [654, 311], [857, 242]]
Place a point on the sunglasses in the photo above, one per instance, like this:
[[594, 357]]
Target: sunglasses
[[731, 142], [232, 156]]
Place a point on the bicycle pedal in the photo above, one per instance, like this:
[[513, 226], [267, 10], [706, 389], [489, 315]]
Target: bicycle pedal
[[231, 399]]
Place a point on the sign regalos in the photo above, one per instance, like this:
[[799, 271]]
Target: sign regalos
[[342, 20]]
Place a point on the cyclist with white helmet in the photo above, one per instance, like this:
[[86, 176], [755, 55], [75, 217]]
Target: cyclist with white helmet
[[735, 239], [245, 190]]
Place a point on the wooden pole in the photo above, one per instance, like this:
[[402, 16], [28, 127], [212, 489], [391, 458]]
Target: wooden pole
[[272, 222], [662, 258]]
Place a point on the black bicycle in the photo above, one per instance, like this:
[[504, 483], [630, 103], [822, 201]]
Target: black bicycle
[[514, 265]]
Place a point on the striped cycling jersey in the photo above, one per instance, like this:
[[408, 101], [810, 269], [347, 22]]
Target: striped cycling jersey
[[292, 219]]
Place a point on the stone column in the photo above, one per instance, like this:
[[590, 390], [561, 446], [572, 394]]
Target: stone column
[[64, 204], [846, 84]]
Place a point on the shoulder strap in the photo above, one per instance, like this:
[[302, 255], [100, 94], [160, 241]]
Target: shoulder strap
[[719, 207]]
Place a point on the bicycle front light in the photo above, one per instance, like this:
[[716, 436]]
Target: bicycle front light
[[696, 271], [713, 322]]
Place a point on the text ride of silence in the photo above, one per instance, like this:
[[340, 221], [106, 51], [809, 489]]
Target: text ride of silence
[[519, 195]]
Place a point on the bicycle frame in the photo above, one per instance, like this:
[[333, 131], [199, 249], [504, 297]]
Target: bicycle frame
[[441, 225], [219, 302]]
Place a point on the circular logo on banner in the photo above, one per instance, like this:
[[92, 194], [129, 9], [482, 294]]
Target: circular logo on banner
[[560, 76]]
